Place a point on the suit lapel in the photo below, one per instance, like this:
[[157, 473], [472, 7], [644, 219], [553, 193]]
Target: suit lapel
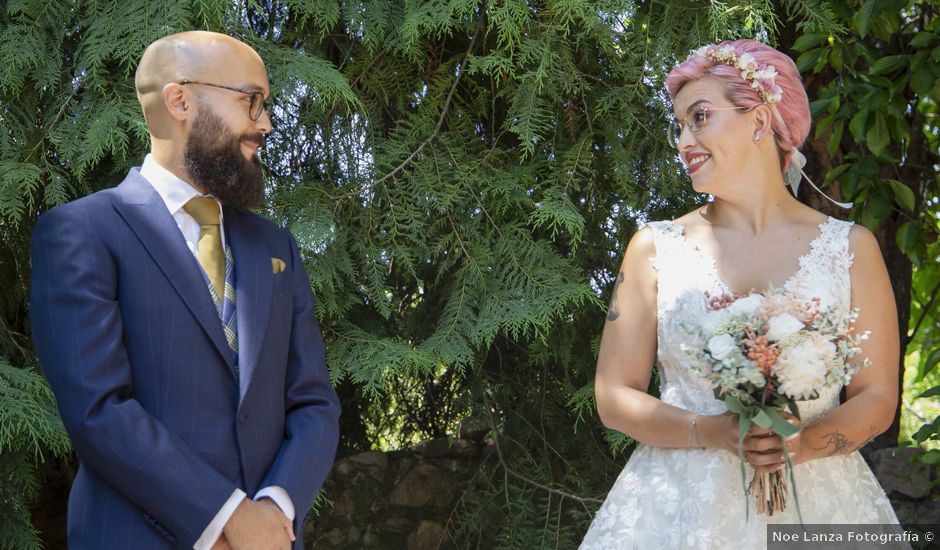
[[146, 214], [253, 282]]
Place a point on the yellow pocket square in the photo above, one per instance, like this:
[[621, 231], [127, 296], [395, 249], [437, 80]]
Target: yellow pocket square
[[277, 265]]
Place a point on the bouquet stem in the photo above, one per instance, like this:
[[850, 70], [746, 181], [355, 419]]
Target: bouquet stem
[[770, 492]]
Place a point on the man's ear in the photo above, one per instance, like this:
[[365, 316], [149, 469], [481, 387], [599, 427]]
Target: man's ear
[[177, 100]]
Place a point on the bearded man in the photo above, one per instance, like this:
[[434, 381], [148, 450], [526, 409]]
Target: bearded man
[[177, 329]]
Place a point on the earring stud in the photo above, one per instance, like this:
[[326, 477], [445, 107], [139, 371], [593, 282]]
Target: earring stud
[[757, 136]]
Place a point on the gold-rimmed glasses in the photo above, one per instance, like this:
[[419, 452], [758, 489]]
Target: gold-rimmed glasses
[[256, 106], [694, 122]]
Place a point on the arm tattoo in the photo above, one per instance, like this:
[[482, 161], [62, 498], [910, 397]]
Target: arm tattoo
[[839, 443], [613, 312]]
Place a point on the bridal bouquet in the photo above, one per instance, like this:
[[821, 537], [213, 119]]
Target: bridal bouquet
[[761, 354]]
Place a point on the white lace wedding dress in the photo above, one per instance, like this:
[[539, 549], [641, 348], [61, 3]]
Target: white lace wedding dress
[[693, 498]]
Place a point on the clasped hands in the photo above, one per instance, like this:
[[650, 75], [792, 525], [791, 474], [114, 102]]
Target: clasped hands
[[256, 525], [762, 448]]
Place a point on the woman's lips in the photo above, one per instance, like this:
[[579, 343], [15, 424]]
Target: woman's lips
[[694, 162]]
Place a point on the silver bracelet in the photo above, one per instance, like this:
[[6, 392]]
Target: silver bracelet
[[693, 432]]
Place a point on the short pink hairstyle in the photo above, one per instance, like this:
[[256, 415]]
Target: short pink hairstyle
[[792, 125]]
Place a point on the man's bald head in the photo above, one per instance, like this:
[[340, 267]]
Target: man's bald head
[[193, 55]]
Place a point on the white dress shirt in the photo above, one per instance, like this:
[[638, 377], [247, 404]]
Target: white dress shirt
[[175, 194]]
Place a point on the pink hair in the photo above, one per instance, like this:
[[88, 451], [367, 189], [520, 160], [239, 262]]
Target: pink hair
[[791, 127]]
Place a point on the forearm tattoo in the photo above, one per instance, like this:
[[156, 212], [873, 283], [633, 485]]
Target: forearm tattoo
[[836, 444], [613, 312]]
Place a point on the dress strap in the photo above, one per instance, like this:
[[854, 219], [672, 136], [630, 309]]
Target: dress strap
[[831, 249]]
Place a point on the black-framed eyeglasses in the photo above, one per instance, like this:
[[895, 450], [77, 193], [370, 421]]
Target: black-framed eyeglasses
[[694, 122], [255, 108]]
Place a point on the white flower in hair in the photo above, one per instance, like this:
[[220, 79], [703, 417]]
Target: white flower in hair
[[701, 51], [746, 62], [761, 79]]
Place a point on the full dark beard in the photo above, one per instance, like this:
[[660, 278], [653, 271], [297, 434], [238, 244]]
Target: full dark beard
[[216, 163]]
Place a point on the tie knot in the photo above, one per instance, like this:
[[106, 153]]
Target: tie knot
[[205, 210]]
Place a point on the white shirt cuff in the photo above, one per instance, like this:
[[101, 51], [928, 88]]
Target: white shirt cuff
[[212, 533], [280, 497]]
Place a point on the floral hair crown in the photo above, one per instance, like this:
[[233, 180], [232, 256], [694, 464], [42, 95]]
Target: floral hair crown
[[762, 79]]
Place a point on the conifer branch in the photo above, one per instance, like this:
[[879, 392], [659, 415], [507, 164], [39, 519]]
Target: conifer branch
[[509, 472], [440, 120], [58, 116]]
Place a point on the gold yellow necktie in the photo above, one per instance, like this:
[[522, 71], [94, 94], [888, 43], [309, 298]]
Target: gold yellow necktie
[[205, 210]]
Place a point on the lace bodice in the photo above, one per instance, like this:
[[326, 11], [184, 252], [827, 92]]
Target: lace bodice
[[686, 273]]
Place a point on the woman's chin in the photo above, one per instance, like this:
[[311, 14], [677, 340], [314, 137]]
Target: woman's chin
[[700, 185]]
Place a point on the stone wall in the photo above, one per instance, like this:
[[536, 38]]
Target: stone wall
[[400, 500], [403, 500]]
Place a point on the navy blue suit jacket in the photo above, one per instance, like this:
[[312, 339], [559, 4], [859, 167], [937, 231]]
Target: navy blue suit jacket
[[133, 348]]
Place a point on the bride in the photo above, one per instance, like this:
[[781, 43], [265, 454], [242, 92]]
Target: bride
[[741, 113]]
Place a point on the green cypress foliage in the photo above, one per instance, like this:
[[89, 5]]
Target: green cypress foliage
[[462, 177]]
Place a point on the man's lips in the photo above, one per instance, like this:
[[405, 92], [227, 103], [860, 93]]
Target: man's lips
[[253, 140]]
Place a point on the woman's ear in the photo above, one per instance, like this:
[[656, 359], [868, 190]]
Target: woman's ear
[[763, 121]]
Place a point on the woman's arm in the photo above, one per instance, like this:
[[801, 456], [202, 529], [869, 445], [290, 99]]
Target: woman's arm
[[625, 363], [872, 395]]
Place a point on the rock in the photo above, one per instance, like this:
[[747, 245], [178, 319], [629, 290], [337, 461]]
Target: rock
[[927, 512], [474, 428], [427, 536], [370, 458], [372, 462], [397, 525], [891, 467], [444, 447], [425, 485]]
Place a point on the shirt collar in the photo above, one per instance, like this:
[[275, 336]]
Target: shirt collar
[[174, 191]]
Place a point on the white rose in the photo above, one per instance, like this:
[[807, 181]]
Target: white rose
[[713, 321], [801, 368], [781, 327], [721, 346], [746, 306]]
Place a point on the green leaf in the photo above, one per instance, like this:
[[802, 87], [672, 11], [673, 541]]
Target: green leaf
[[902, 194], [809, 59], [932, 392], [816, 107], [888, 64], [835, 140], [930, 457], [910, 240], [835, 58], [857, 125], [932, 360], [923, 40], [780, 425], [834, 174], [824, 124], [880, 205], [808, 41], [762, 419], [862, 19], [878, 136], [922, 81]]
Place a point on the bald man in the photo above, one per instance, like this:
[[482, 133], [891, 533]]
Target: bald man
[[177, 328]]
